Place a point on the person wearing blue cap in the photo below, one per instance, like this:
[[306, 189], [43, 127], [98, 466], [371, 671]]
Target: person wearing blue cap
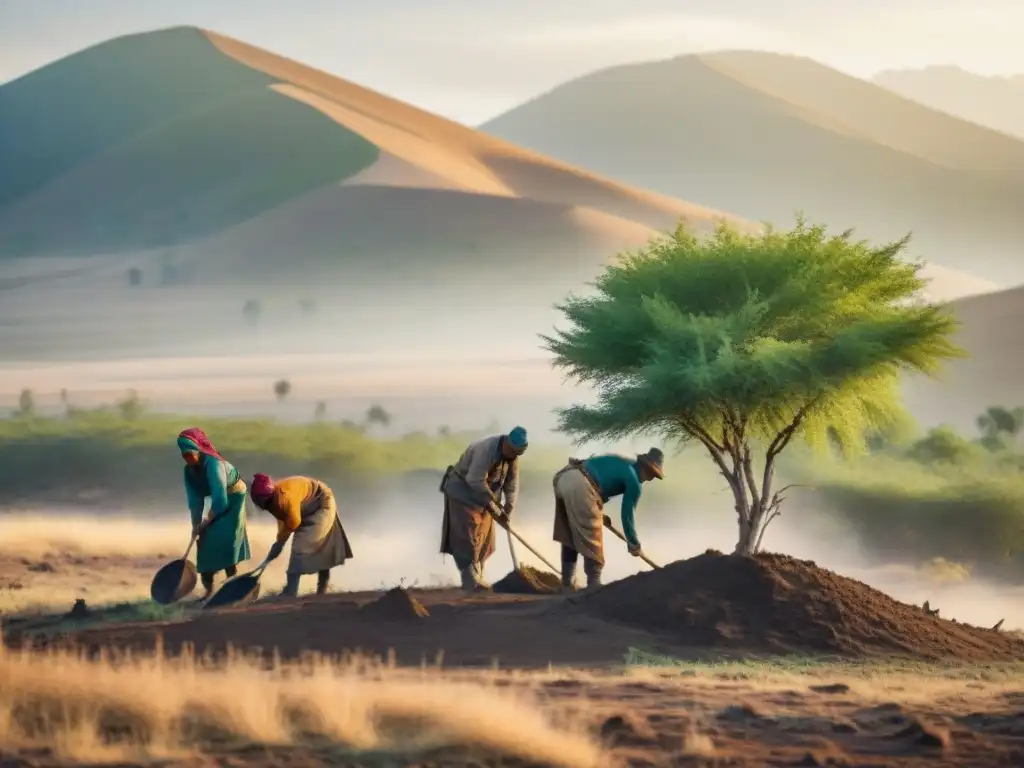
[[487, 471], [582, 488]]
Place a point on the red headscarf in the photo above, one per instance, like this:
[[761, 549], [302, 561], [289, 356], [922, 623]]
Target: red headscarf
[[261, 488], [198, 438]]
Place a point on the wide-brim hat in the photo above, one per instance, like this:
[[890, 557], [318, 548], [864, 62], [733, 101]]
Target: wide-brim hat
[[654, 460]]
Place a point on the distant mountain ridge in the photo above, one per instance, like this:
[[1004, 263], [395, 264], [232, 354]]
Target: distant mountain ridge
[[995, 101], [763, 135]]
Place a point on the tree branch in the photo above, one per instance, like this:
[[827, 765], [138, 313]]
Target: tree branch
[[782, 439], [764, 527], [748, 471]]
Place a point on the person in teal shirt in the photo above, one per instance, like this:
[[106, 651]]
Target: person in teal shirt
[[582, 488], [223, 540]]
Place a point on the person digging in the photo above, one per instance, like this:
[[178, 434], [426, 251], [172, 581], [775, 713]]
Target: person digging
[[487, 471], [582, 488], [305, 511]]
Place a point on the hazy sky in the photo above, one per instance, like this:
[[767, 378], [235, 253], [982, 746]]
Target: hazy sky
[[471, 59]]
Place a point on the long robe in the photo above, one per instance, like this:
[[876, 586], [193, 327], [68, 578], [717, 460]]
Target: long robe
[[467, 528], [581, 490], [579, 513], [307, 512], [225, 542]]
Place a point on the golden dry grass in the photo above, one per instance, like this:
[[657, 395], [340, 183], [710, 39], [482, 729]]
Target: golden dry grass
[[151, 706]]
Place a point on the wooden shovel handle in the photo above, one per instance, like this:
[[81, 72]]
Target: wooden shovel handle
[[643, 557]]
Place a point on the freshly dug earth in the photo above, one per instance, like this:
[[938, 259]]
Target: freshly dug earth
[[528, 581], [395, 605], [776, 604]]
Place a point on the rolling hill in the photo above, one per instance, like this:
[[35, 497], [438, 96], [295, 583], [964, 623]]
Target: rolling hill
[[164, 138], [993, 101], [764, 135], [223, 175], [222, 172]]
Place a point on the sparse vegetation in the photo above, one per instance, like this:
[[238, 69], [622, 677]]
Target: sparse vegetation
[[252, 310], [741, 343], [26, 404], [1000, 426], [282, 388], [102, 450], [942, 495], [378, 415], [130, 406]]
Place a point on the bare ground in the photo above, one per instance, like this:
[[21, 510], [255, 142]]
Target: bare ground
[[875, 683]]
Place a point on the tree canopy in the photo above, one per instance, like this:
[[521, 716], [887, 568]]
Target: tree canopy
[[742, 341]]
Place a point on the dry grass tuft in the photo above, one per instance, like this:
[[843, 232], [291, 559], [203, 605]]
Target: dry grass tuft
[[144, 707]]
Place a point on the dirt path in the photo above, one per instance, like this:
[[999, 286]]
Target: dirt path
[[509, 631]]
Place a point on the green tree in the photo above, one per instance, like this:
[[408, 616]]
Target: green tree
[[377, 414], [251, 310], [999, 426], [282, 388], [742, 342], [26, 404], [944, 445], [130, 406]]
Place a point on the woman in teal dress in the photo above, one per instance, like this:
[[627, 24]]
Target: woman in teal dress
[[223, 541]]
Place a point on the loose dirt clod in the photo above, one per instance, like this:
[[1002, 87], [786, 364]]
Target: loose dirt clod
[[395, 605], [777, 604], [79, 610], [528, 581]]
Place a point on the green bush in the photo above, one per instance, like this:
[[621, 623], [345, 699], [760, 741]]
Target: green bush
[[126, 451], [903, 509]]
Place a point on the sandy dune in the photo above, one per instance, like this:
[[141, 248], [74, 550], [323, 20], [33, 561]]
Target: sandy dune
[[225, 165], [375, 140]]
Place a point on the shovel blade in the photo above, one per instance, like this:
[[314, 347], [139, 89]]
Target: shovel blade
[[240, 590], [173, 582]]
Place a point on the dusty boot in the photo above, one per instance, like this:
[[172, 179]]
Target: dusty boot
[[471, 579], [468, 576], [323, 580], [593, 572], [481, 584], [291, 587], [568, 577]]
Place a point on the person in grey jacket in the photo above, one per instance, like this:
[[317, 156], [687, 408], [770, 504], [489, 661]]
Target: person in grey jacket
[[487, 471]]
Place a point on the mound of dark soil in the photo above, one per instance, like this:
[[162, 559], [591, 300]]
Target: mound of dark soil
[[528, 581], [395, 605], [776, 604]]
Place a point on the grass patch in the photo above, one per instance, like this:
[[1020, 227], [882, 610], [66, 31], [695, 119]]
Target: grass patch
[[823, 667], [103, 451], [42, 624]]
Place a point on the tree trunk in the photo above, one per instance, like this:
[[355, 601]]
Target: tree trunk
[[750, 533], [747, 533], [752, 505]]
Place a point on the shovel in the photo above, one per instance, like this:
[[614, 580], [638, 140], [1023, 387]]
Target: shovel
[[499, 517], [175, 580], [643, 557], [240, 590]]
